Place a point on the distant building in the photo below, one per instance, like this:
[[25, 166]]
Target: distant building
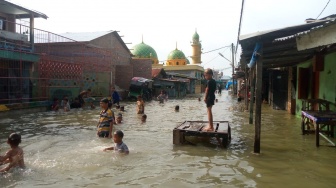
[[176, 86], [106, 62], [176, 62], [18, 59]]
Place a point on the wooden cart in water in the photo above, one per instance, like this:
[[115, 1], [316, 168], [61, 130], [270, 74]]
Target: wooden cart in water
[[194, 128]]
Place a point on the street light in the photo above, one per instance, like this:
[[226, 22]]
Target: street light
[[224, 57]]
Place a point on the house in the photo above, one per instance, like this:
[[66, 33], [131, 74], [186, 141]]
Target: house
[[175, 87], [290, 71], [17, 55], [295, 63], [102, 60]]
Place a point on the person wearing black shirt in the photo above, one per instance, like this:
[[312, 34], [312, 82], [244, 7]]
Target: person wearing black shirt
[[209, 97], [76, 104]]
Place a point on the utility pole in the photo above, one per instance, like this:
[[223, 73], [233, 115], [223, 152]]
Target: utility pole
[[233, 85]]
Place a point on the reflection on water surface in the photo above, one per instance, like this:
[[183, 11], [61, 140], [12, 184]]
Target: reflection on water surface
[[62, 150]]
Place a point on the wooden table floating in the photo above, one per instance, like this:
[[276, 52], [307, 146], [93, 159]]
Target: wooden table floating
[[194, 128]]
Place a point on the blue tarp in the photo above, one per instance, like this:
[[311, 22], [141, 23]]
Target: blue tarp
[[229, 83], [254, 55]]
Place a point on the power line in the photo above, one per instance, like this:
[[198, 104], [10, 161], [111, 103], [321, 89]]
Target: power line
[[322, 10], [240, 22], [216, 57], [210, 60], [215, 49]]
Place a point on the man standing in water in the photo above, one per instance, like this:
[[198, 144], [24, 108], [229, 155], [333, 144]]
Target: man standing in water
[[209, 97]]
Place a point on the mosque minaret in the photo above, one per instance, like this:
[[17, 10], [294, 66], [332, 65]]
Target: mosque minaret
[[196, 50]]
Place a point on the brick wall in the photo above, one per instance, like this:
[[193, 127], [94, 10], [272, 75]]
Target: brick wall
[[113, 42], [93, 65], [124, 74], [142, 68]]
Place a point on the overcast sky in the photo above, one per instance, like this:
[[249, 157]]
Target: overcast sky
[[163, 23]]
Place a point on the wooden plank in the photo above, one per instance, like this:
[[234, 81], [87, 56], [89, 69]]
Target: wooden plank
[[193, 128], [178, 137]]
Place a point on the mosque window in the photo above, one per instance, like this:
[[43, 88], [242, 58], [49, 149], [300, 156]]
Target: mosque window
[[177, 63]]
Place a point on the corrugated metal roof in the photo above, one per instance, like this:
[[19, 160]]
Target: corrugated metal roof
[[281, 32], [19, 11], [157, 71], [279, 45], [326, 24], [85, 36]]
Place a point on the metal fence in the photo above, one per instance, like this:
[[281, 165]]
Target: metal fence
[[52, 67]]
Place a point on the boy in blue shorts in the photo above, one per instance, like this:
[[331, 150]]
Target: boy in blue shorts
[[105, 124], [119, 145]]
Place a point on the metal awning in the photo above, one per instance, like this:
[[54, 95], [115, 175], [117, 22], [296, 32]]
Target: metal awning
[[278, 53], [20, 12]]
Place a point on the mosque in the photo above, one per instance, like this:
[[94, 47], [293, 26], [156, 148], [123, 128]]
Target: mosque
[[177, 63]]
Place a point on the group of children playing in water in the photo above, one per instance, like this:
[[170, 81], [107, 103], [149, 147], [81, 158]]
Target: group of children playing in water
[[79, 102], [14, 156]]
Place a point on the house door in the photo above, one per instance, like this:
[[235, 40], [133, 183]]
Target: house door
[[280, 89]]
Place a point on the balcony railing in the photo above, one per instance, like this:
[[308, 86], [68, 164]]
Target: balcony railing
[[17, 37]]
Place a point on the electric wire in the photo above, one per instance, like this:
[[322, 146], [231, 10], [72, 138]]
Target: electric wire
[[215, 49], [323, 10], [240, 22]]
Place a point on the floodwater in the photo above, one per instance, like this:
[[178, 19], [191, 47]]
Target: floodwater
[[62, 150]]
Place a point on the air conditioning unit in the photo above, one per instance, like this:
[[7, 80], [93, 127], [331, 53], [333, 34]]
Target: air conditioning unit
[[1, 24]]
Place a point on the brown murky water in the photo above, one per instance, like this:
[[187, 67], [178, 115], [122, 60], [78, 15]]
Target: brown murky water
[[62, 150]]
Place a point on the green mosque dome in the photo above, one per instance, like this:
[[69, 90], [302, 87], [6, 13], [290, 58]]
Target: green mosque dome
[[176, 54], [195, 37], [188, 62], [143, 50]]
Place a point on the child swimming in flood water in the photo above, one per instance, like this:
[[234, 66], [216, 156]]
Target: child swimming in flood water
[[140, 105], [143, 118], [14, 156], [119, 118], [119, 145], [162, 97]]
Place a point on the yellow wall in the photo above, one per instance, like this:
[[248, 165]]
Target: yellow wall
[[196, 54], [176, 62]]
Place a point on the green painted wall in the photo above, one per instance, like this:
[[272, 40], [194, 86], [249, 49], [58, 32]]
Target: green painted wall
[[328, 79], [327, 89], [19, 56]]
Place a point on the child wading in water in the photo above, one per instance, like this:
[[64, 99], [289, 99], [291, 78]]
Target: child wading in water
[[162, 97], [209, 97], [143, 118], [14, 156], [119, 145], [140, 105], [105, 124]]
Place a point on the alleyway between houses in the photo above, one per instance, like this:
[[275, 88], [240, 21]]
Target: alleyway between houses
[[62, 149]]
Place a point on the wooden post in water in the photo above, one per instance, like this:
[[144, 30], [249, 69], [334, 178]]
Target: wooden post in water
[[246, 89], [252, 83], [258, 101]]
